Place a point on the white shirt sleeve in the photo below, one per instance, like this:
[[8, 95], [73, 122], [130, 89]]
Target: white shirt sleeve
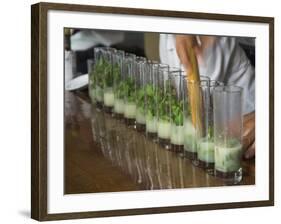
[[227, 62], [224, 61], [167, 50], [86, 39]]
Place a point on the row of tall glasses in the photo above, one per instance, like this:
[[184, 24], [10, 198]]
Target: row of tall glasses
[[156, 99]]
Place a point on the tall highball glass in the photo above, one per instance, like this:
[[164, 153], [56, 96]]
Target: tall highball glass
[[142, 71], [177, 102], [193, 123], [130, 107], [118, 78], [228, 127], [150, 100], [108, 79], [163, 99], [205, 144]]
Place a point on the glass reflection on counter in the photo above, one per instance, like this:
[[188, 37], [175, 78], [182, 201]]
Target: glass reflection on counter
[[144, 161]]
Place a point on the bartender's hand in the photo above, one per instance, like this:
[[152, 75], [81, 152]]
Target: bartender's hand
[[185, 42], [249, 135]]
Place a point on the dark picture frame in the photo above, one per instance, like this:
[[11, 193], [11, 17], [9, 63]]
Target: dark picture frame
[[39, 106]]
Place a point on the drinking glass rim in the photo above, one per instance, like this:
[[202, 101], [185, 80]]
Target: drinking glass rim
[[120, 52], [104, 47], [141, 59], [205, 79], [159, 66], [142, 62], [130, 55], [201, 76], [163, 66], [175, 69], [152, 62], [214, 83], [228, 89]]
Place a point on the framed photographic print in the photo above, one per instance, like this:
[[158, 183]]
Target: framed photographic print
[[138, 111]]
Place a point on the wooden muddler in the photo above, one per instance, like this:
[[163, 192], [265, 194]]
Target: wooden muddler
[[194, 93]]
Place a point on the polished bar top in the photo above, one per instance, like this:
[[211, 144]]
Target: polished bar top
[[102, 154]]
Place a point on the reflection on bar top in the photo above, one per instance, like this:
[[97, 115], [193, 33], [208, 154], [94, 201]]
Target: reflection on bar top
[[146, 162], [130, 153]]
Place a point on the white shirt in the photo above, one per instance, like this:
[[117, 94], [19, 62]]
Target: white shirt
[[224, 61], [85, 39]]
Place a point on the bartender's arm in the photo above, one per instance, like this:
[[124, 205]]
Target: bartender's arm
[[183, 43]]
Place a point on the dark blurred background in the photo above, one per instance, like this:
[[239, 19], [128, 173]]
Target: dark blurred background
[[82, 42]]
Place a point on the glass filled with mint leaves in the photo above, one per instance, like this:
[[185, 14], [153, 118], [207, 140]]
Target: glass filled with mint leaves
[[150, 100], [177, 101], [130, 107], [163, 100], [228, 127], [205, 143], [141, 74], [108, 80], [91, 78], [192, 108], [102, 71], [118, 77]]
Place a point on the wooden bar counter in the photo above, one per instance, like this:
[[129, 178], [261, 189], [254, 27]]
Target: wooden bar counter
[[102, 154]]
